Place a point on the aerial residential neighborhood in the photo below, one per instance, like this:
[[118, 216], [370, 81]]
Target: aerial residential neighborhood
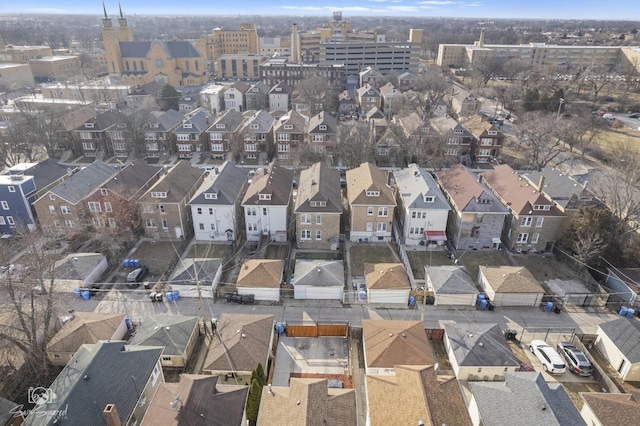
[[320, 220]]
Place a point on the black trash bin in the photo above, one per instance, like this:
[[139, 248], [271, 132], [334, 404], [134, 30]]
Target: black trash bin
[[557, 309]]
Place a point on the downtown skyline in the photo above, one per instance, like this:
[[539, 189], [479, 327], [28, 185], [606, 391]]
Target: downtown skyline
[[541, 9]]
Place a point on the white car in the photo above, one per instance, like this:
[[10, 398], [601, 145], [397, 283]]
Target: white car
[[550, 359]]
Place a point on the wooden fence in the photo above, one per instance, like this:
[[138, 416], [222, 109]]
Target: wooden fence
[[317, 330]]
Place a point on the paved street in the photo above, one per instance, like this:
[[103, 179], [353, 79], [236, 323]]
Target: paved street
[[136, 305]]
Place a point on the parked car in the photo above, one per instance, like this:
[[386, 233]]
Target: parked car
[[576, 360], [635, 115], [550, 359], [137, 275]]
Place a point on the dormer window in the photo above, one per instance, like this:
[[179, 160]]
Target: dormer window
[[541, 207], [187, 125], [483, 201], [219, 126], [288, 127], [264, 197], [323, 127], [158, 195], [103, 191], [278, 89], [211, 196], [492, 132], [89, 125], [122, 125], [372, 193], [429, 199], [154, 125], [254, 126], [370, 92], [459, 131], [318, 203]]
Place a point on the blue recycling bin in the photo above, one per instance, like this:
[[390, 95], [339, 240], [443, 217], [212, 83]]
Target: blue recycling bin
[[630, 313], [77, 292], [548, 307], [176, 295], [169, 296], [623, 311], [136, 263], [127, 322], [86, 294], [126, 263]]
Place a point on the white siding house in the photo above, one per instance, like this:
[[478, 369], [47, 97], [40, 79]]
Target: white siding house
[[618, 341], [423, 208], [215, 206]]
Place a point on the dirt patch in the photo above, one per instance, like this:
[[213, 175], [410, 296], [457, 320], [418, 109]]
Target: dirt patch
[[210, 251], [347, 382], [518, 351], [547, 267], [623, 386], [574, 390], [371, 253], [276, 251], [159, 256], [440, 353]]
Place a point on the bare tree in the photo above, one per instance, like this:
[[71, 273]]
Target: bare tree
[[596, 79], [319, 94], [31, 308], [488, 67], [580, 130], [354, 146], [545, 146], [432, 88]]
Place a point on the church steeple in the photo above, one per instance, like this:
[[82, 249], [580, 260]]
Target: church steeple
[[124, 32], [106, 21]]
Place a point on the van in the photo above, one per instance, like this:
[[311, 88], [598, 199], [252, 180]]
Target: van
[[609, 116]]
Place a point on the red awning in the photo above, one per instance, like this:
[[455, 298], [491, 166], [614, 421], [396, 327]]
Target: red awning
[[435, 235]]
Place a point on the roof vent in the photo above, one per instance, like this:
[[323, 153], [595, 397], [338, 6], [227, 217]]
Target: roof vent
[[243, 335]]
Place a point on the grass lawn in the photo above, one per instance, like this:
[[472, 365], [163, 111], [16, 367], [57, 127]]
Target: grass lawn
[[371, 253], [472, 259], [548, 268], [210, 251], [158, 255], [420, 259]]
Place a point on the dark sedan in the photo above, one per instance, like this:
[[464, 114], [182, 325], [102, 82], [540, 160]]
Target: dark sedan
[[576, 360], [137, 275]]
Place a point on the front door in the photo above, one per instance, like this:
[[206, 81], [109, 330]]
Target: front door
[[178, 232]]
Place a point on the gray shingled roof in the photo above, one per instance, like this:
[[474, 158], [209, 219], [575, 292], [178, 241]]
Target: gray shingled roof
[[230, 118], [263, 119], [563, 189], [480, 345], [625, 334], [177, 182], [44, 173], [187, 270], [322, 273], [131, 180], [175, 49], [451, 279], [77, 266], [166, 121], [272, 179], [199, 119], [169, 331], [414, 184], [84, 181], [526, 399], [97, 375], [227, 184]]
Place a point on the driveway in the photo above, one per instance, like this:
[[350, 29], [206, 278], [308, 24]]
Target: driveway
[[567, 377]]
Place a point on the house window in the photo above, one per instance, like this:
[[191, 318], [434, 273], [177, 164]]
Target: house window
[[65, 210], [534, 238], [526, 221], [2, 221], [112, 222], [318, 219], [539, 222], [305, 218], [541, 207], [522, 238], [161, 208], [318, 234], [12, 189], [68, 223], [10, 220], [199, 210], [201, 226], [323, 127], [264, 196], [305, 234], [264, 211], [94, 206], [383, 211], [372, 193], [370, 211], [150, 223], [165, 225], [317, 138], [252, 227], [479, 218], [210, 211], [382, 226], [158, 195], [369, 226], [5, 205], [252, 211], [107, 206], [52, 210], [52, 197]]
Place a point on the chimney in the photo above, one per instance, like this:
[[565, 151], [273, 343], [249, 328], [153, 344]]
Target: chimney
[[111, 416], [541, 183]]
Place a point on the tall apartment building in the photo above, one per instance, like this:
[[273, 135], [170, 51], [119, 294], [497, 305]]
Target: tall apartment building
[[228, 42], [386, 57], [281, 70], [535, 54], [305, 44]]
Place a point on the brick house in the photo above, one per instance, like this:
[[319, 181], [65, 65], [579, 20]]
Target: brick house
[[534, 222], [478, 215], [256, 132], [460, 143], [191, 135], [371, 204], [322, 133], [368, 97], [60, 210], [222, 133], [257, 97], [158, 136], [93, 133], [489, 139], [163, 207], [289, 132], [318, 208]]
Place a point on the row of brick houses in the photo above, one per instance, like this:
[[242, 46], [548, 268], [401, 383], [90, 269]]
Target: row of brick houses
[[524, 212]]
